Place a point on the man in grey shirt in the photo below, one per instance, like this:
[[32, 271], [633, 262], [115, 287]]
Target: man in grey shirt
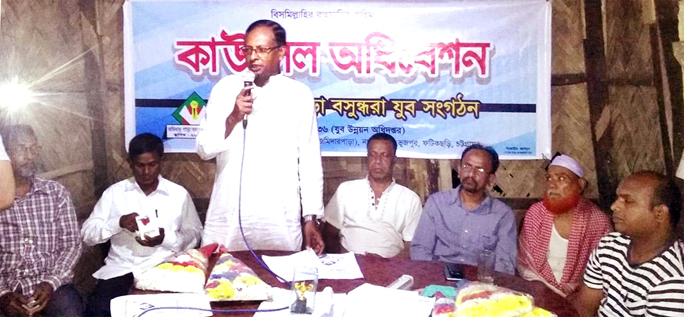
[[456, 224]]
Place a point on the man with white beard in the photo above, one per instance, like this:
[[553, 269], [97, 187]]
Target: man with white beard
[[560, 232]]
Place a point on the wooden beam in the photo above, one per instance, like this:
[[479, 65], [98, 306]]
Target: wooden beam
[[74, 168], [568, 79], [597, 90], [658, 70], [95, 84], [433, 176], [666, 14], [580, 78]]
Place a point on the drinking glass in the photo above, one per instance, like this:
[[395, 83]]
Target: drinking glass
[[485, 266]]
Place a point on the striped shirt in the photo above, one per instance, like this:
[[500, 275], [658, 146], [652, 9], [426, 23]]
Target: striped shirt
[[653, 288], [39, 239]]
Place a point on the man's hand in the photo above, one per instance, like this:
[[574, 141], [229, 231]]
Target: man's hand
[[313, 237], [152, 242], [242, 106], [10, 304], [42, 294], [128, 222], [587, 301]]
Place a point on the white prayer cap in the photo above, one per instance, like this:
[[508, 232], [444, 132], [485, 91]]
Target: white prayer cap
[[569, 163]]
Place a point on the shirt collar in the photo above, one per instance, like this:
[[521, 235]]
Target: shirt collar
[[386, 189], [484, 207], [132, 185], [37, 186]]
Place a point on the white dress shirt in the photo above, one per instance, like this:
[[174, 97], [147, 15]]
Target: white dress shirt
[[378, 228], [3, 153], [282, 163], [175, 212]]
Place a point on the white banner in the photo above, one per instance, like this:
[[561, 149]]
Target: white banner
[[438, 76]]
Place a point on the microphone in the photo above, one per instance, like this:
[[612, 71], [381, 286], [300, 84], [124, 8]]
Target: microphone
[[248, 79]]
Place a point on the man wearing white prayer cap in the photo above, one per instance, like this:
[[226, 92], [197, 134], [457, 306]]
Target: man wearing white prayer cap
[[559, 233]]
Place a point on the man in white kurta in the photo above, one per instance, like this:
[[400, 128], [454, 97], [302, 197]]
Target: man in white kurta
[[375, 214], [268, 168], [366, 227]]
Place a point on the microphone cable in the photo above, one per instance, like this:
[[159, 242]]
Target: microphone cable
[[244, 238], [242, 232]]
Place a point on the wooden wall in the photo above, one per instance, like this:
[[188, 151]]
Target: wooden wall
[[72, 52]]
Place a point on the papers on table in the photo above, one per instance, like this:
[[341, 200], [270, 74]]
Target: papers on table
[[330, 266], [135, 305], [365, 300], [372, 300]]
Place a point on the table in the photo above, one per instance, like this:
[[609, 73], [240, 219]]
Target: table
[[382, 271]]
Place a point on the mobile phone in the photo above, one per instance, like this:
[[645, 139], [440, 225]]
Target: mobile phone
[[453, 271]]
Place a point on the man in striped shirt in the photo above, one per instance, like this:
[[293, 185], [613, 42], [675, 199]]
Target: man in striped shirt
[[638, 270], [39, 238]]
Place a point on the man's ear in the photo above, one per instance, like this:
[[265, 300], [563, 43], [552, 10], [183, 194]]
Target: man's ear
[[582, 184], [662, 213], [281, 52], [492, 179]]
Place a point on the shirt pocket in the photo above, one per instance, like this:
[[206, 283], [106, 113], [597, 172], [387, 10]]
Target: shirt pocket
[[478, 234]]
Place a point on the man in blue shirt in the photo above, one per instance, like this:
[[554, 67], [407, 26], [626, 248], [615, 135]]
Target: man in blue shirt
[[456, 224]]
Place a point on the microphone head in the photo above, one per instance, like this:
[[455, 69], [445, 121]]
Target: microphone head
[[248, 77]]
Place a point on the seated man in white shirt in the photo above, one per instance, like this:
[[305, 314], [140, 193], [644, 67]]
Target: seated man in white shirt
[[374, 214], [146, 194]]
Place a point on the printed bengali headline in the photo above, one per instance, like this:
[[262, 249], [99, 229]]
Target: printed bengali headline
[[377, 52]]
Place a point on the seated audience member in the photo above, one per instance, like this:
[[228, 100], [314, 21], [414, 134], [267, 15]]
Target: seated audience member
[[6, 179], [146, 194], [39, 240], [456, 224], [560, 232], [638, 270], [375, 214]]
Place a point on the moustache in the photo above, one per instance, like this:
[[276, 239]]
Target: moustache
[[468, 179]]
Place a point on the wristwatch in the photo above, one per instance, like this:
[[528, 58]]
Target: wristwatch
[[313, 218]]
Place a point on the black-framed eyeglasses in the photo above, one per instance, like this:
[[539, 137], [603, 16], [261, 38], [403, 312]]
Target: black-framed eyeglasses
[[260, 50]]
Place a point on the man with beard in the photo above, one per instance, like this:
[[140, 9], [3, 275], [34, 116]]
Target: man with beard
[[39, 240], [269, 177], [560, 232], [457, 224], [374, 214], [638, 270]]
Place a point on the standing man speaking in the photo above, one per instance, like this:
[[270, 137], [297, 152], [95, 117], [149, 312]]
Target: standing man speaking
[[269, 167]]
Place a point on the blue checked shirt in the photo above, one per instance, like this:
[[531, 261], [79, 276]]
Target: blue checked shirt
[[39, 239]]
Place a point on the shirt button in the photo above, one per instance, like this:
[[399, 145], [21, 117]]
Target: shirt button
[[466, 231]]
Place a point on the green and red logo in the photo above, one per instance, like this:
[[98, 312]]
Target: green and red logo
[[191, 111]]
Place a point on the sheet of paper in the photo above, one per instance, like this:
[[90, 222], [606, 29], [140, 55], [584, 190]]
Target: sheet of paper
[[372, 300], [330, 266], [134, 305], [327, 304]]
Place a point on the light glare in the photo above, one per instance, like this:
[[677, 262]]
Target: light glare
[[15, 95]]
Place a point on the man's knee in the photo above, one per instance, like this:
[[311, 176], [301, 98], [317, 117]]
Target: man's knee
[[105, 291], [65, 301]]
